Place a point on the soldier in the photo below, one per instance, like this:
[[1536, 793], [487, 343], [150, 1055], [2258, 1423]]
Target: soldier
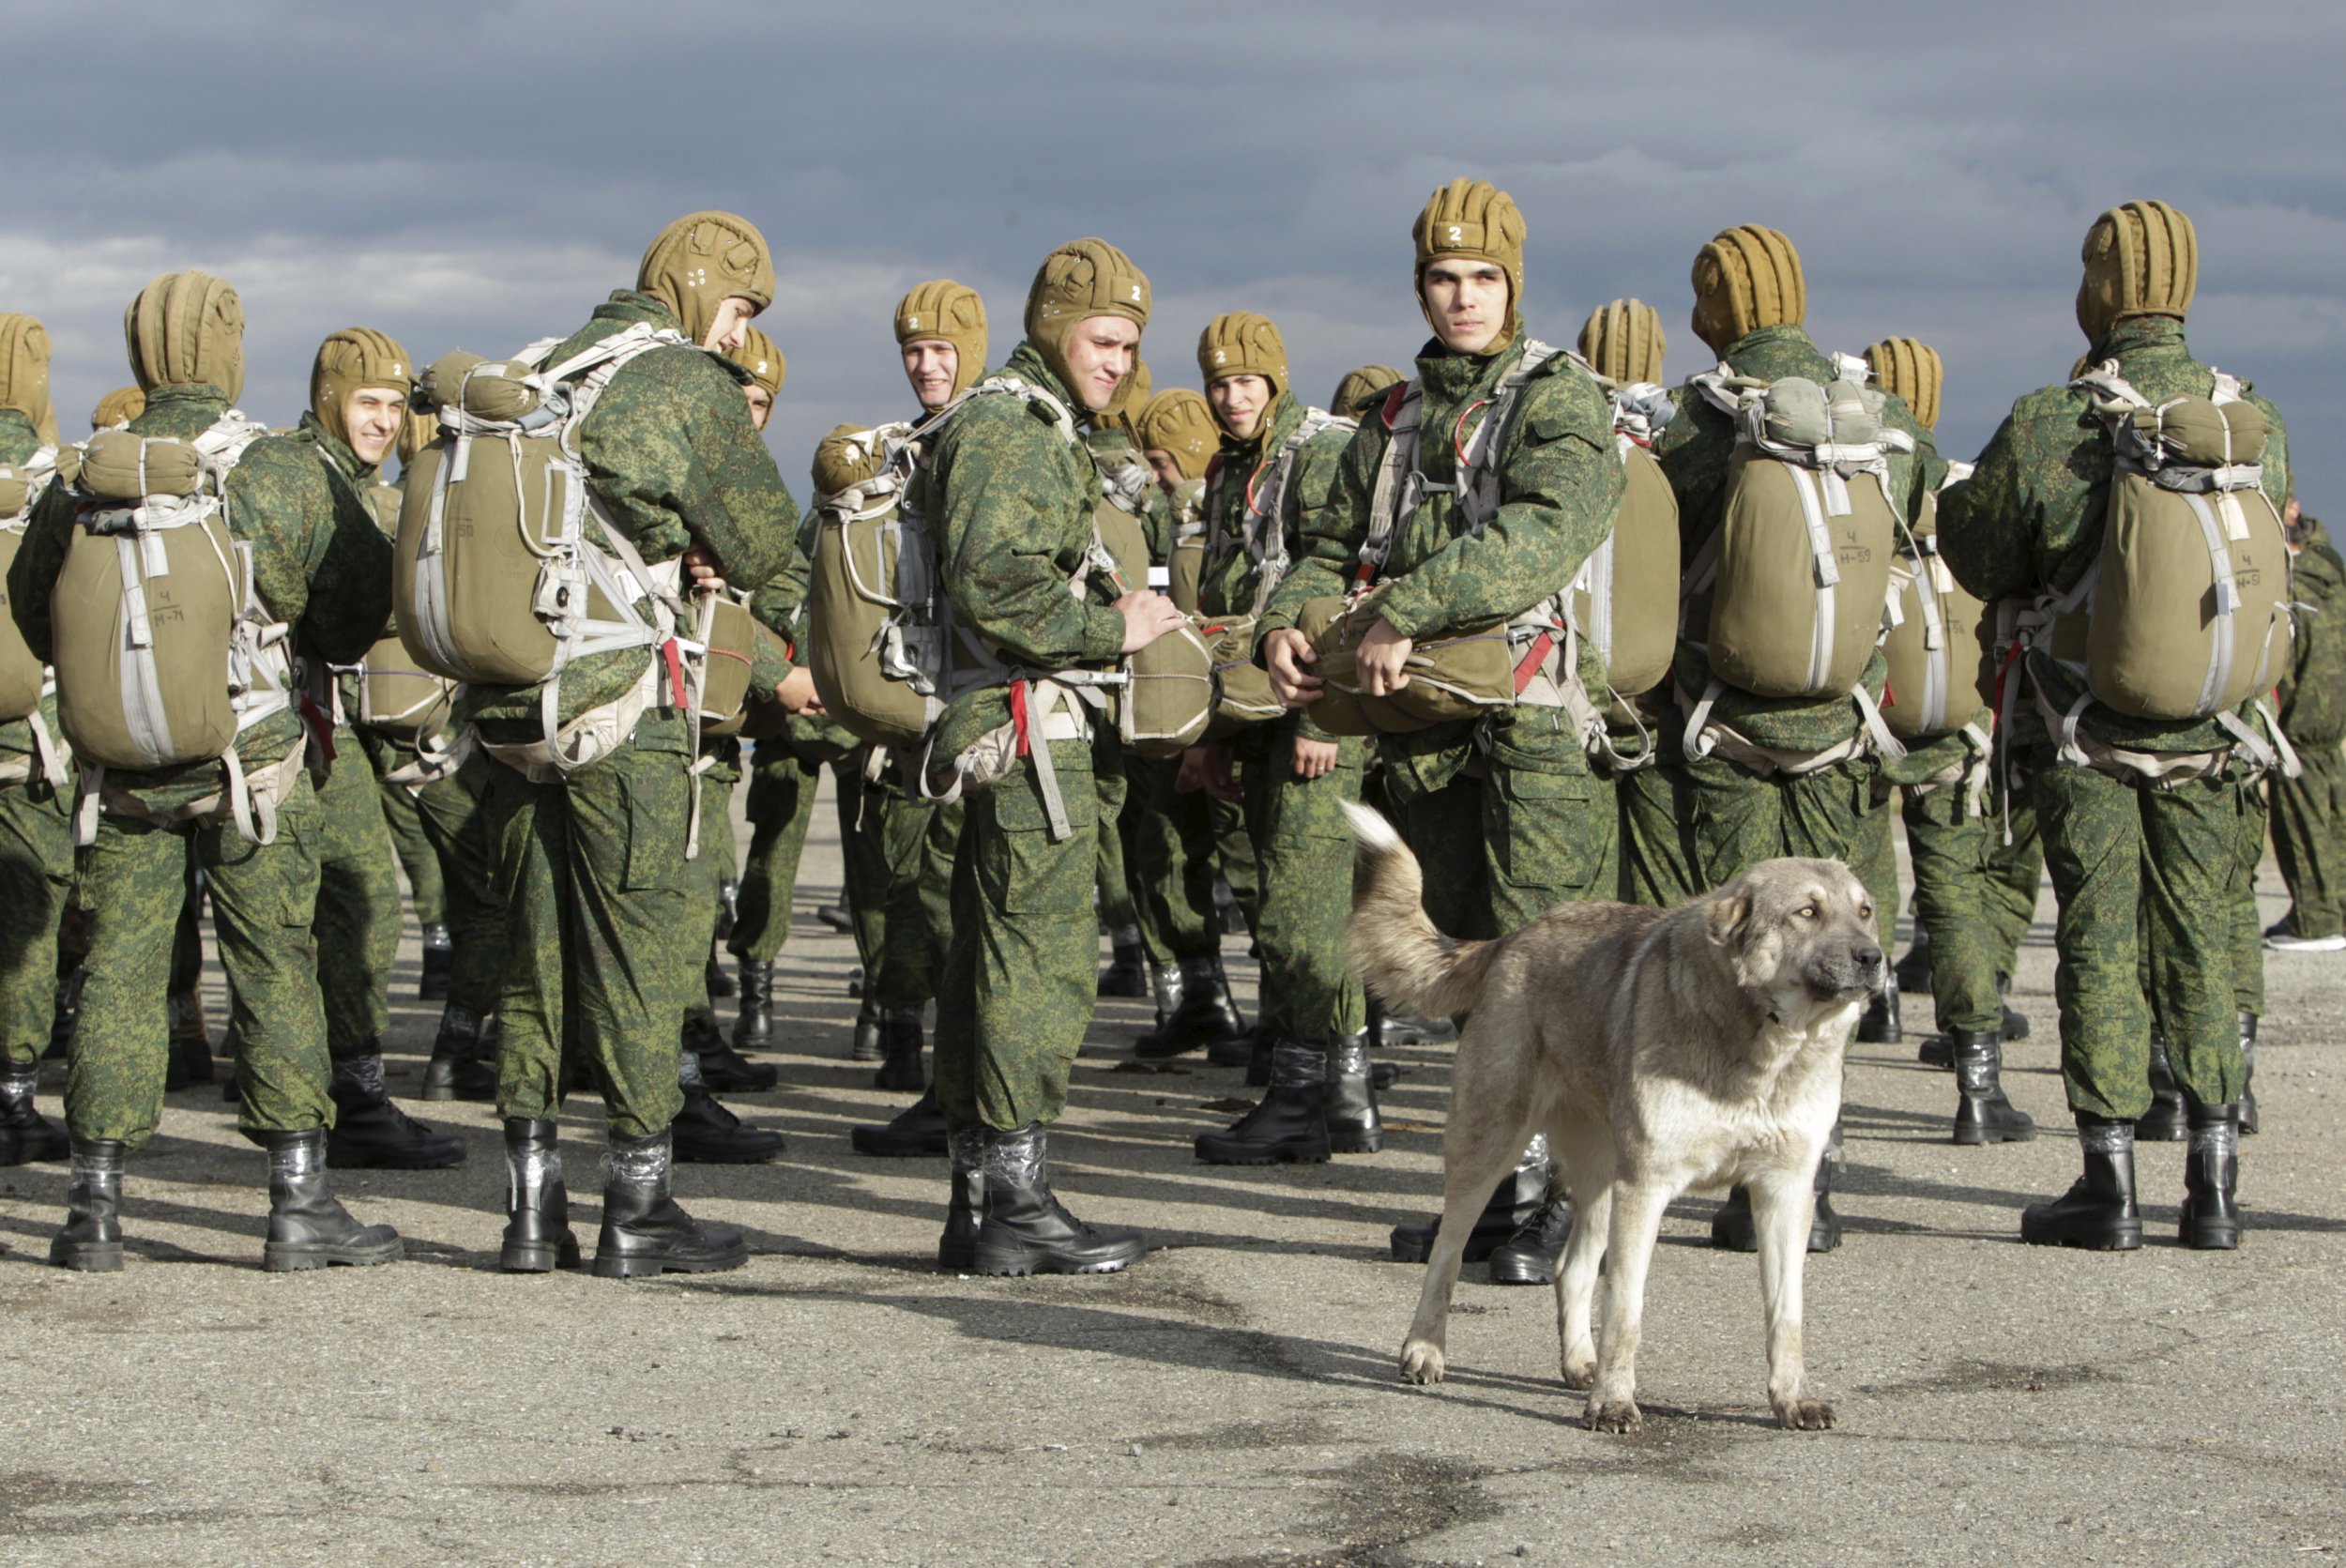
[[357, 409], [322, 567], [594, 856], [1277, 462], [1361, 389], [1764, 776], [1943, 783], [2309, 810], [35, 808], [1011, 490], [2124, 796], [1507, 804]]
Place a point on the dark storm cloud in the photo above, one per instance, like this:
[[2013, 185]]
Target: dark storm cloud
[[481, 174]]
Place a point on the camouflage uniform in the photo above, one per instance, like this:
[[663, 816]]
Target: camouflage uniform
[[450, 810], [1509, 804], [2309, 810], [35, 851], [591, 868], [2147, 878], [323, 567]]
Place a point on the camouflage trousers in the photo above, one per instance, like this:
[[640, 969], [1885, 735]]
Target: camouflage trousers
[[1023, 965], [131, 884], [2310, 840], [1655, 855], [357, 923], [449, 811], [781, 806], [2247, 927], [426, 883], [1737, 817], [918, 838], [1303, 857], [599, 902], [2148, 882], [36, 876], [1119, 909], [1969, 948], [710, 868], [1169, 853]]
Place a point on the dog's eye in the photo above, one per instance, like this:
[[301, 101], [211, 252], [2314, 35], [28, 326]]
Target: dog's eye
[[1808, 912], [1865, 912]]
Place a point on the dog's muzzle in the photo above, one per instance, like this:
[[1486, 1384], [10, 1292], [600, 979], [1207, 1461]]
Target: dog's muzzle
[[1855, 970]]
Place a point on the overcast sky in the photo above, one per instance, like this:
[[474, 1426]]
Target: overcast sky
[[481, 174]]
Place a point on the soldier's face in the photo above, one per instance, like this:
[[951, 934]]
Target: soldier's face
[[761, 404], [1467, 302], [372, 416], [1168, 470], [1101, 353], [725, 332], [1238, 401], [931, 366]]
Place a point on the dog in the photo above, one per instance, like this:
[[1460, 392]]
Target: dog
[[1659, 1050]]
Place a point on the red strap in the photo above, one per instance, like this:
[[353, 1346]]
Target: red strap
[[321, 727], [1889, 695], [1393, 400], [1533, 659], [675, 658], [2003, 672], [1018, 717]]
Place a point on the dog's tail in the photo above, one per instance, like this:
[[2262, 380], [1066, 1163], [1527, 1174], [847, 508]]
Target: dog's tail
[[1405, 961]]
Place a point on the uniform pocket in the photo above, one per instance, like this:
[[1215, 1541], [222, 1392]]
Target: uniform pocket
[[1548, 831], [656, 809]]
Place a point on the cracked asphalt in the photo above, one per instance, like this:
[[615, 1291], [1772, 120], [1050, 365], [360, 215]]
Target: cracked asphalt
[[1230, 1401]]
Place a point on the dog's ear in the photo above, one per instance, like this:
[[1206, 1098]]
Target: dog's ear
[[1728, 915]]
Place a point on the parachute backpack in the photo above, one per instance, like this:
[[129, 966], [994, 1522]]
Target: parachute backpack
[[23, 679], [1788, 595], [1165, 700], [500, 578], [2184, 612], [164, 653], [1531, 658], [395, 696], [878, 622], [1942, 644], [1624, 597]]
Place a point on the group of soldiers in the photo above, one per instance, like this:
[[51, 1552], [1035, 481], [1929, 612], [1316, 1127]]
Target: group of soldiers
[[570, 905]]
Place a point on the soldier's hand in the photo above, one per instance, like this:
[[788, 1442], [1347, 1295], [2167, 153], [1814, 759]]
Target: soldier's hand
[[1147, 616], [1382, 659], [1285, 652], [1314, 759], [797, 692], [702, 570]]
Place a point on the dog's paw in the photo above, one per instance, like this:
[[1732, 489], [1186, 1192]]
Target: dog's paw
[[1579, 1372], [1421, 1363], [1804, 1415], [1614, 1415]]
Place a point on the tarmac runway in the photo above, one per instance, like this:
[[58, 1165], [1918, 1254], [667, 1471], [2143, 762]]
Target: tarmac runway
[[1232, 1400]]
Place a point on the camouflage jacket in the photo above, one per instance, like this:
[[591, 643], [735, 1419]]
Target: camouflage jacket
[[1559, 488], [319, 564], [2313, 694], [1121, 463], [673, 456], [1696, 449], [1009, 501], [2029, 519], [1232, 576], [18, 441]]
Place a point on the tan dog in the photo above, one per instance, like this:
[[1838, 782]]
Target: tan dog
[[1658, 1050]]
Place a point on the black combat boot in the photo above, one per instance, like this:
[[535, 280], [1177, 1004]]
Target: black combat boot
[[1261, 1041], [1513, 1204], [1234, 1045], [1290, 1123], [1388, 1030], [1353, 1125], [900, 1035], [728, 905], [1937, 1050], [1127, 974], [65, 1019], [714, 979], [1025, 1229], [24, 1135], [707, 1133], [917, 1132], [838, 917], [91, 1239], [1732, 1228], [1168, 986], [1913, 969], [2211, 1176], [957, 1249], [725, 1069], [753, 1026], [870, 1042], [2015, 1021], [2097, 1212], [369, 1130], [439, 964], [1204, 1015], [2164, 1121], [1528, 1257], [1982, 1113], [1879, 1024], [306, 1228], [191, 1060], [2249, 1072], [645, 1230], [537, 1235], [456, 1070]]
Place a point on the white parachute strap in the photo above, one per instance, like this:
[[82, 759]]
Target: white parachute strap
[[50, 750], [1980, 770], [1261, 530], [39, 471], [1400, 487]]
